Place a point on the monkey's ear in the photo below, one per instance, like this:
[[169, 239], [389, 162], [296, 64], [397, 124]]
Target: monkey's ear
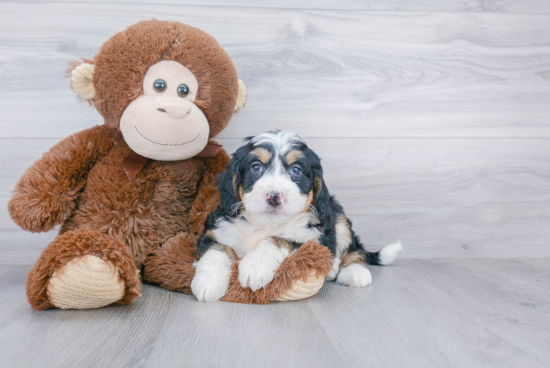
[[241, 96], [82, 80]]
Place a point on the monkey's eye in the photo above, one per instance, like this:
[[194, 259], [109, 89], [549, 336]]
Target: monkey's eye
[[159, 85], [183, 90], [256, 168]]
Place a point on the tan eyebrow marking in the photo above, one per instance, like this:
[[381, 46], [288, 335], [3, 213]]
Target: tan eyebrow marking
[[263, 155], [293, 156]]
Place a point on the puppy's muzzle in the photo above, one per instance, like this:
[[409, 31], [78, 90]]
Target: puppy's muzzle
[[274, 198]]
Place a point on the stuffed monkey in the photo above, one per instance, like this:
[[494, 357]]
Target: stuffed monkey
[[132, 195]]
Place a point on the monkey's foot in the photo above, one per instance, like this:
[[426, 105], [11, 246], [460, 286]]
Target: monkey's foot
[[83, 269], [85, 282], [302, 289]]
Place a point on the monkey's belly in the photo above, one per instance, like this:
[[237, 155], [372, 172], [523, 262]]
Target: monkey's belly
[[143, 212]]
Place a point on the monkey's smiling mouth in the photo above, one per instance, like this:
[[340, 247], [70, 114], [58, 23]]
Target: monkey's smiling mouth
[[166, 144]]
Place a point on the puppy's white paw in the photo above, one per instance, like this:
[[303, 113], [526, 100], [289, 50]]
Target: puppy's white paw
[[212, 273], [355, 275], [258, 267], [335, 269], [256, 272]]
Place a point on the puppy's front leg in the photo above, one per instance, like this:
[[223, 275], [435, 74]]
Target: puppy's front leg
[[212, 274], [258, 267], [335, 269]]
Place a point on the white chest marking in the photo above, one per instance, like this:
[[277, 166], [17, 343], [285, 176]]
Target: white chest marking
[[244, 236]]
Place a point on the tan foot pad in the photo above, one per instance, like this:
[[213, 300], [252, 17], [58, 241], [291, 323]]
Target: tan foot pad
[[302, 290], [85, 282]]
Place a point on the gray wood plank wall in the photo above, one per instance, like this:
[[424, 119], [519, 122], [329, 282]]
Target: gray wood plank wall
[[487, 6], [432, 117]]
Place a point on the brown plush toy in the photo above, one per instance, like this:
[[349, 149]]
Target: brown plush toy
[[132, 196]]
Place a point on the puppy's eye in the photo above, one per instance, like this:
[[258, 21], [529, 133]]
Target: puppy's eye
[[256, 168], [159, 85], [183, 90], [295, 170]]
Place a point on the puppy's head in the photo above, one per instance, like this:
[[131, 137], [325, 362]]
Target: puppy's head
[[273, 178]]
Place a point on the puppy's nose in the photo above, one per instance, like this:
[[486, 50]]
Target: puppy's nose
[[174, 106], [274, 198]]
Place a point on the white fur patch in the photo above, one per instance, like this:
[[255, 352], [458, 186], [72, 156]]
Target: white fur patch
[[293, 201], [355, 275], [281, 141], [212, 273], [335, 269], [243, 236], [389, 253], [258, 267]]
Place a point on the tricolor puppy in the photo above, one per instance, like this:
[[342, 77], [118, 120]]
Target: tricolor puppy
[[272, 200]]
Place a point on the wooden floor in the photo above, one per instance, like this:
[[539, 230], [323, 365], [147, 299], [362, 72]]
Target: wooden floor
[[417, 313]]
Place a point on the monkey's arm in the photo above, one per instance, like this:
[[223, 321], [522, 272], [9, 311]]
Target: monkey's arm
[[45, 195], [207, 195]]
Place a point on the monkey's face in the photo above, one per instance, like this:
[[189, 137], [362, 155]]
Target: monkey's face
[[168, 87], [164, 123]]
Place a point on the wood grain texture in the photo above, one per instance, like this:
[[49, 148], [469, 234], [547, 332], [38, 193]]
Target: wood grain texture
[[488, 6], [322, 73], [433, 126], [440, 197], [440, 300], [451, 313]]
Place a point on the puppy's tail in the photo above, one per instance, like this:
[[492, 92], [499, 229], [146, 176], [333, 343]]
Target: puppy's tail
[[384, 256]]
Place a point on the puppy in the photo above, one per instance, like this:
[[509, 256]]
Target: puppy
[[273, 199]]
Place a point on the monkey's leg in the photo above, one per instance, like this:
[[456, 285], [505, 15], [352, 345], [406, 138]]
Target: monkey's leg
[[171, 265], [83, 269]]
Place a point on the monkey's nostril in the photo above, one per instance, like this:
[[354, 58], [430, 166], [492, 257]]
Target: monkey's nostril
[[161, 109]]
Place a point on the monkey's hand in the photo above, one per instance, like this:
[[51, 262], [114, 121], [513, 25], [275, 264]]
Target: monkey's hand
[[46, 193]]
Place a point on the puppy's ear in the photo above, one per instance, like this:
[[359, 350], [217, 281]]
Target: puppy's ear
[[321, 196], [228, 184]]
